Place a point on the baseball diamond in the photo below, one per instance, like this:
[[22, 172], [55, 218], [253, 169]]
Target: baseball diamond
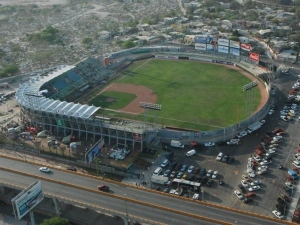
[[193, 95]]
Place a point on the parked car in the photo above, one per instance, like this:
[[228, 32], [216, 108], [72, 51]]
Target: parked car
[[242, 134], [244, 183], [254, 188], [202, 171], [173, 174], [167, 173], [191, 169], [238, 194], [183, 168], [231, 160], [220, 156], [209, 173], [179, 175], [173, 165], [242, 188], [71, 168], [225, 158], [247, 200], [196, 170], [178, 166], [249, 194], [215, 175]]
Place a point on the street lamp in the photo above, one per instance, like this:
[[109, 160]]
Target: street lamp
[[127, 218]]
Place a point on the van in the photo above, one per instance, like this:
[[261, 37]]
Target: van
[[164, 163], [157, 171], [191, 152]]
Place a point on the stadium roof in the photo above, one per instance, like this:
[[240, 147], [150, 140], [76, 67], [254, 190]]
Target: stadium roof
[[28, 95]]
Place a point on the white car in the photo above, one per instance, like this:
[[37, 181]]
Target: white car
[[215, 175], [284, 118], [296, 164], [238, 194], [265, 162], [273, 145], [209, 144], [45, 169], [278, 214], [257, 158], [255, 182], [254, 188], [263, 121], [191, 169], [244, 183], [271, 151], [209, 173], [271, 112], [262, 167], [242, 134], [289, 185], [277, 138]]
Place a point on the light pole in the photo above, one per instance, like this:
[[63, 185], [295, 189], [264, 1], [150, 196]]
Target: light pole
[[202, 192], [127, 218]]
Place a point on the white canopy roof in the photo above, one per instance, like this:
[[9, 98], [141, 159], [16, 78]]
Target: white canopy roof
[[28, 95]]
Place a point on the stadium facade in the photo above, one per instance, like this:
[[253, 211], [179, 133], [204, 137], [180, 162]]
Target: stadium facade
[[45, 103]]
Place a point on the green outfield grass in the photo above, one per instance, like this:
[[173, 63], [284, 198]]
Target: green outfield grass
[[193, 95], [112, 100]]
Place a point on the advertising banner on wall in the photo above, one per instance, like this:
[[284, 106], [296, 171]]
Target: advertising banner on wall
[[166, 56], [27, 199], [94, 151], [223, 49], [199, 46], [235, 51], [211, 47], [234, 44], [203, 39], [246, 47], [223, 41], [254, 57]]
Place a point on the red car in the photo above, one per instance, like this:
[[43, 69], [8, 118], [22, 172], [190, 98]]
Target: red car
[[103, 188], [249, 194]]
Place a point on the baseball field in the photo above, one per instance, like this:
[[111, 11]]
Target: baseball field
[[193, 95]]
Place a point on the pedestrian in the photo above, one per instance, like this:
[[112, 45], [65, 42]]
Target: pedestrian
[[145, 183], [135, 184]]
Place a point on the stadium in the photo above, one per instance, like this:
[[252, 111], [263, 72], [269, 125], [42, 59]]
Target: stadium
[[47, 103]]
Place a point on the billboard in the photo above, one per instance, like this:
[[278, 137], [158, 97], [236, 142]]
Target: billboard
[[223, 49], [199, 46], [27, 199], [94, 151], [212, 47], [246, 47], [254, 57], [234, 44], [235, 51], [223, 41], [203, 39]]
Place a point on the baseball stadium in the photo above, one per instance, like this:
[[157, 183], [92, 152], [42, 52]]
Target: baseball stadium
[[135, 96]]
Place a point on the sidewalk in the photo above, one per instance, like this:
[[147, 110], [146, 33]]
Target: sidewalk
[[9, 220]]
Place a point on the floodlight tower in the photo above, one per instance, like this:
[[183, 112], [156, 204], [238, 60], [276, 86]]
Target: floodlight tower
[[249, 89]]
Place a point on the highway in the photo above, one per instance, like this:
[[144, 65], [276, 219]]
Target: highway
[[132, 195]]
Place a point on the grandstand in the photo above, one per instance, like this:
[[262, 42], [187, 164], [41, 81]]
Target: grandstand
[[73, 83]]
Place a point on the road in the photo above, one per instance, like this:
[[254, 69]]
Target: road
[[119, 205]]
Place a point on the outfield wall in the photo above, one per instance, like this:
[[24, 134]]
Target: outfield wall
[[222, 134]]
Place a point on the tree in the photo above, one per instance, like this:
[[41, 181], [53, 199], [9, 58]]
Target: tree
[[55, 221], [128, 44], [2, 53], [10, 69], [87, 40]]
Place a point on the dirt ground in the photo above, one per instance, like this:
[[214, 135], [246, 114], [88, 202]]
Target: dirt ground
[[143, 94], [37, 2]]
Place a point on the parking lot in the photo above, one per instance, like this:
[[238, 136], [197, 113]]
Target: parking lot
[[272, 182]]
